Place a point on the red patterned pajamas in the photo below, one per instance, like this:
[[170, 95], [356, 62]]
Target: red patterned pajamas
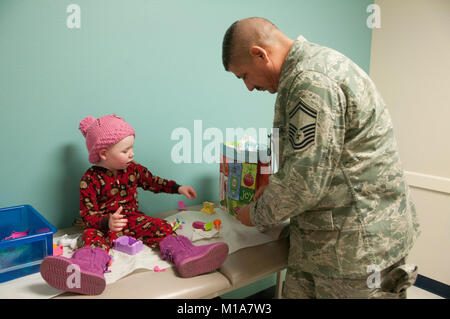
[[102, 193]]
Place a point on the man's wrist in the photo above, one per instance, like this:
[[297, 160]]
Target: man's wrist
[[252, 210]]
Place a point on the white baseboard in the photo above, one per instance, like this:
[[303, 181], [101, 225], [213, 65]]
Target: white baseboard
[[430, 182]]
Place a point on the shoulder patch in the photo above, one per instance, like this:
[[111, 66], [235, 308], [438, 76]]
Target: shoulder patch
[[302, 126]]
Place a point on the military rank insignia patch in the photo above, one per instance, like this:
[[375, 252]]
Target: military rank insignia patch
[[302, 126]]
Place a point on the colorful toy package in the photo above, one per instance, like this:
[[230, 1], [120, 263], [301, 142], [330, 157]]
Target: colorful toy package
[[242, 172]]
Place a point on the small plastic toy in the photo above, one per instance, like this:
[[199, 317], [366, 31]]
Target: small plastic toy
[[67, 242], [42, 230], [176, 226], [128, 245], [181, 206], [208, 226], [57, 250], [157, 269], [111, 260], [177, 223], [217, 223], [208, 208], [202, 225], [17, 234], [198, 225]]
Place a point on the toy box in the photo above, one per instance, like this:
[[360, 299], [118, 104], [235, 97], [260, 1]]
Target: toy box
[[30, 239], [243, 170], [128, 245]]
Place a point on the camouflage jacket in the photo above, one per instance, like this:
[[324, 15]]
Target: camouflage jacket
[[340, 179]]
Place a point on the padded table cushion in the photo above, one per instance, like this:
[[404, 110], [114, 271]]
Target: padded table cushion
[[161, 285], [253, 263]]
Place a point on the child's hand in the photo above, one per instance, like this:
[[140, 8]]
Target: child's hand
[[116, 222], [187, 191]]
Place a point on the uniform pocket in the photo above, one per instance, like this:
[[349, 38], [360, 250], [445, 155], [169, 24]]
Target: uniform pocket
[[314, 251], [316, 220]]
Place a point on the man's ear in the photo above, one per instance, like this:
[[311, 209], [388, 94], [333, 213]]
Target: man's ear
[[102, 154], [259, 52]]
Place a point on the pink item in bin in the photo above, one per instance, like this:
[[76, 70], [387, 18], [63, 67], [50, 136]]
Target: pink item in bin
[[128, 245], [17, 234]]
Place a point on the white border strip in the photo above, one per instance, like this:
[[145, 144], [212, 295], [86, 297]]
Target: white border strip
[[434, 183]]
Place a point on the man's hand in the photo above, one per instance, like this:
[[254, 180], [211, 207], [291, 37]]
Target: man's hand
[[243, 215], [259, 193], [187, 191], [116, 222]]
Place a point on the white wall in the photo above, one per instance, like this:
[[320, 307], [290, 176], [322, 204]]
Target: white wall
[[410, 65]]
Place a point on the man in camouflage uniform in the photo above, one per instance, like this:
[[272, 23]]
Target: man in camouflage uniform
[[340, 180]]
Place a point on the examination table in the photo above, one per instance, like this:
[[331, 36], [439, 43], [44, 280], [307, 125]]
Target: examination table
[[241, 268]]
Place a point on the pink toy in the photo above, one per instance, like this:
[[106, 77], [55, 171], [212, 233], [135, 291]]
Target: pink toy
[[42, 230], [157, 269], [181, 206], [57, 250], [128, 245], [17, 234], [202, 225], [198, 225]]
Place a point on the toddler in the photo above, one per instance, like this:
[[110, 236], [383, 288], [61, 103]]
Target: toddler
[[109, 209]]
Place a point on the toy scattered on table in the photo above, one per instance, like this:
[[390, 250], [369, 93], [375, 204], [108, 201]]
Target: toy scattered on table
[[17, 234], [67, 242], [181, 206], [202, 225], [57, 250], [208, 208], [198, 225], [128, 245], [110, 260], [177, 223], [157, 269], [217, 223], [176, 226]]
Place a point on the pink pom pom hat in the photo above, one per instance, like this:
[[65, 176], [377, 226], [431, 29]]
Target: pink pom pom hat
[[102, 133]]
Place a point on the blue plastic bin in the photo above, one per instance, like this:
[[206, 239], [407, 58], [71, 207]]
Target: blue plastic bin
[[23, 256]]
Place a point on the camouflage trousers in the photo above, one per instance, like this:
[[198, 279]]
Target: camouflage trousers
[[394, 281]]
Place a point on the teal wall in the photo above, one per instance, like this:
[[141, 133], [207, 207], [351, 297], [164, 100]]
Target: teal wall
[[155, 63]]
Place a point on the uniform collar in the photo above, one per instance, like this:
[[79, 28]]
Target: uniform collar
[[292, 58]]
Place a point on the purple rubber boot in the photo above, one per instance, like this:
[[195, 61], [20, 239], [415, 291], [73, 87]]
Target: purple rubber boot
[[82, 273], [192, 260]]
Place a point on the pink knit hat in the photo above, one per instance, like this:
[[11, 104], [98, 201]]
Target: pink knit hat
[[102, 133]]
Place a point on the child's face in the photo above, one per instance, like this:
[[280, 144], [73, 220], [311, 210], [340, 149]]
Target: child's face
[[119, 155]]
